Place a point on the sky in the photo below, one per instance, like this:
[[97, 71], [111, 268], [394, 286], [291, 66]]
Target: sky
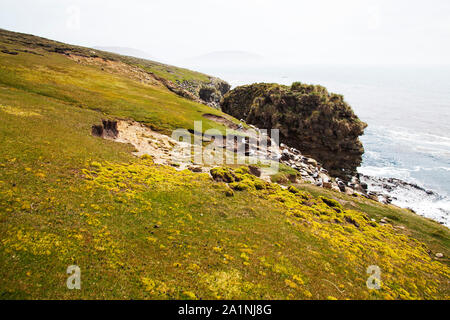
[[302, 32]]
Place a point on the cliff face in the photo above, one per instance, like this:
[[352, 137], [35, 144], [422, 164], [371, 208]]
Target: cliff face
[[210, 93], [320, 124]]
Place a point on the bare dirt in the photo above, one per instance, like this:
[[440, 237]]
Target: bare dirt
[[163, 149], [117, 67], [219, 119]]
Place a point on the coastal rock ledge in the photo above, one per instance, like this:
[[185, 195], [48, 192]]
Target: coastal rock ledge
[[318, 123]]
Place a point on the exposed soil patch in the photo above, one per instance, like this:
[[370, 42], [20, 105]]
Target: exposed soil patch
[[117, 67], [219, 119], [163, 149], [14, 53], [108, 129], [134, 73]]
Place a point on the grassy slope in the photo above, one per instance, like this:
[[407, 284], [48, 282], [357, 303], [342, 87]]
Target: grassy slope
[[57, 77], [69, 198], [13, 40]]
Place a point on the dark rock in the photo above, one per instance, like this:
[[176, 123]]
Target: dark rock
[[292, 178], [14, 53], [208, 94], [351, 220], [255, 171], [285, 155], [327, 185], [108, 129]]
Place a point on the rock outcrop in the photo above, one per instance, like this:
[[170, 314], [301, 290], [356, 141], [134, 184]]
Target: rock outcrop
[[318, 123], [208, 93]]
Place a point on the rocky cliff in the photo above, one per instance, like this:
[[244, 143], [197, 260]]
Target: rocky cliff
[[209, 93], [318, 123]]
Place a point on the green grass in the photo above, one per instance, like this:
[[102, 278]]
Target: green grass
[[19, 41], [140, 231], [436, 236], [87, 87]]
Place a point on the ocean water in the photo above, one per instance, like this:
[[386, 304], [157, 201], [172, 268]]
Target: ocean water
[[407, 109]]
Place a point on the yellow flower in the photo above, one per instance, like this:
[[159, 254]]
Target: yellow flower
[[149, 284], [298, 279], [307, 294], [194, 267], [290, 284], [190, 295], [152, 239], [244, 256]]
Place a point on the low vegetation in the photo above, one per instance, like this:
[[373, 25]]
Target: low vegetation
[[138, 230], [320, 124]]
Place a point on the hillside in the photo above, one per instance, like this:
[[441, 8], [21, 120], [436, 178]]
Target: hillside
[[320, 124], [125, 51], [141, 230], [183, 82]]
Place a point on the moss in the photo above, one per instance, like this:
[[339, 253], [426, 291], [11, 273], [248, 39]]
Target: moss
[[224, 174], [351, 220], [293, 190], [148, 231], [147, 157], [241, 185], [280, 178], [229, 192], [259, 184], [331, 202], [242, 170]]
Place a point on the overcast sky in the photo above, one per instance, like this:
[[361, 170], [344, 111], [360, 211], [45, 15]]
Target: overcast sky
[[320, 31]]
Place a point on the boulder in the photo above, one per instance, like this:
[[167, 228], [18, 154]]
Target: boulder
[[195, 169], [255, 171], [349, 191], [324, 177], [312, 162], [335, 187], [327, 185]]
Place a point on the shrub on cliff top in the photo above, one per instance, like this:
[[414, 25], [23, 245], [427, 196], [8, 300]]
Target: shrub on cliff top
[[318, 123]]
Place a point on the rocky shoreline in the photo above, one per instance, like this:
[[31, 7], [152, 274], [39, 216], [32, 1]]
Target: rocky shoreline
[[410, 196], [384, 190]]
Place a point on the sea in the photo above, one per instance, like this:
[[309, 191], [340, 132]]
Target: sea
[[407, 109]]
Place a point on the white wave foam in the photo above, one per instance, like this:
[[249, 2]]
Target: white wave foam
[[387, 172], [421, 140], [438, 211], [427, 204]]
